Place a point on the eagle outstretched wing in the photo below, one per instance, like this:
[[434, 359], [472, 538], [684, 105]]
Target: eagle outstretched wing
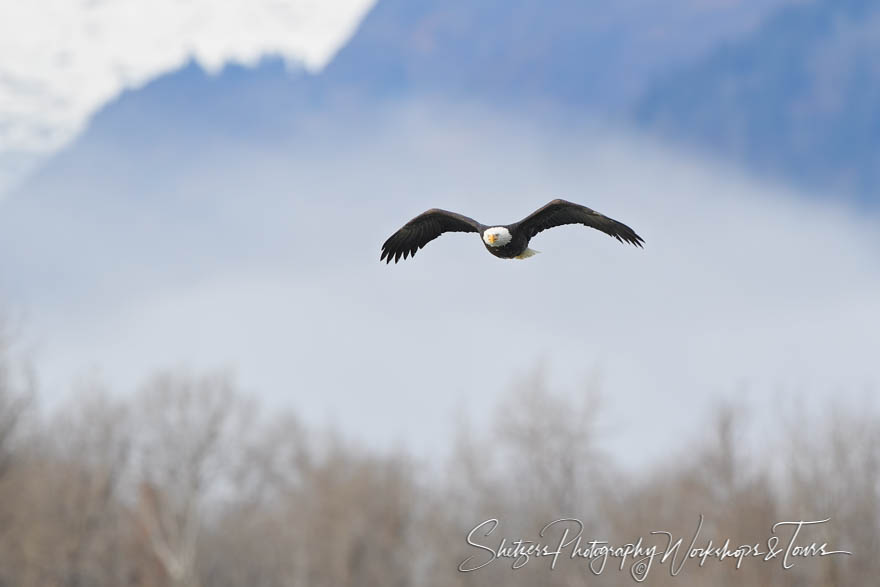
[[559, 212], [422, 229]]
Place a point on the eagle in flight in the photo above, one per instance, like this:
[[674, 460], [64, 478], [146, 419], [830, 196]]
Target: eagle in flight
[[509, 241]]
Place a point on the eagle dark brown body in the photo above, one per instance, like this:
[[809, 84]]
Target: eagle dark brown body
[[510, 241]]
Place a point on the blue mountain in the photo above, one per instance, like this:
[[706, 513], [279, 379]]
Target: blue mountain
[[799, 98], [570, 56], [590, 55], [794, 96]]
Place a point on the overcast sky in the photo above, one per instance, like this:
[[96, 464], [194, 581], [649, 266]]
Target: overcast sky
[[745, 290], [742, 284]]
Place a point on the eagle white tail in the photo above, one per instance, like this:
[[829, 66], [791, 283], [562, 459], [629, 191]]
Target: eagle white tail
[[527, 253]]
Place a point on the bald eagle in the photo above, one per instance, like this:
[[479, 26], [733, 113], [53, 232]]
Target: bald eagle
[[509, 241]]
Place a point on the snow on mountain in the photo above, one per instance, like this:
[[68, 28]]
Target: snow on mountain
[[62, 60]]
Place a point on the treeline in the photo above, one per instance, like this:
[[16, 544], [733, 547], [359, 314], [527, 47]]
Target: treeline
[[187, 483]]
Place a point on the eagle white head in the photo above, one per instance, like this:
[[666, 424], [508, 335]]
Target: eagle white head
[[497, 236]]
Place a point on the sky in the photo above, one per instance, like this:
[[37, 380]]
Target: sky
[[63, 59], [746, 290], [263, 260]]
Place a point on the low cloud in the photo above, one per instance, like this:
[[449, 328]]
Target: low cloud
[[744, 290]]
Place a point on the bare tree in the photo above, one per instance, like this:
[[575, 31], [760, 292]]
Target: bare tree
[[834, 471], [17, 389], [92, 447], [16, 401], [182, 485], [189, 444]]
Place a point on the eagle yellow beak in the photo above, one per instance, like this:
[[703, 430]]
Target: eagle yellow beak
[[491, 238]]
